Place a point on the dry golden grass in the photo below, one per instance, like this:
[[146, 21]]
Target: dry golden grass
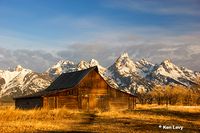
[[146, 118]]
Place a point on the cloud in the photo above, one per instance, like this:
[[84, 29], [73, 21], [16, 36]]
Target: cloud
[[33, 59], [106, 46], [184, 50], [182, 55]]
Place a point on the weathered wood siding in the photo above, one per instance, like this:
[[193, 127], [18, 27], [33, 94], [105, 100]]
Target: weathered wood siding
[[120, 100], [29, 103], [67, 99], [93, 92]]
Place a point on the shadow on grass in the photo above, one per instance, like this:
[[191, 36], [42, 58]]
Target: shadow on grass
[[184, 115], [95, 123], [88, 118]]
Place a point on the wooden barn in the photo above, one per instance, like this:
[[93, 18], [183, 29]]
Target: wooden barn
[[82, 90]]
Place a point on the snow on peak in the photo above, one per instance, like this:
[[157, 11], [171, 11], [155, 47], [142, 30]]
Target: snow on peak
[[94, 62], [124, 55], [61, 67], [18, 72], [144, 62], [125, 65], [167, 61], [83, 65], [144, 67], [63, 63], [19, 68], [168, 68], [181, 74]]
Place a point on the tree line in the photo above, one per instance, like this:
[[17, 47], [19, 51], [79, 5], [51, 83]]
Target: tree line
[[171, 95]]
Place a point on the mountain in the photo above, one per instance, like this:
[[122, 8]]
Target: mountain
[[125, 74], [144, 67], [168, 73], [61, 67], [69, 66], [20, 81], [129, 75]]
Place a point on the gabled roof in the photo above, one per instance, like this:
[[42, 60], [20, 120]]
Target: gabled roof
[[69, 80]]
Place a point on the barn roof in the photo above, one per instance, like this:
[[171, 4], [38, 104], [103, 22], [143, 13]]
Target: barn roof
[[69, 80], [65, 81]]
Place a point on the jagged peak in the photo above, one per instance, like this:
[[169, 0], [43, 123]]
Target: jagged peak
[[124, 64], [143, 61], [94, 62], [83, 62], [124, 55], [167, 64], [62, 63], [65, 62], [82, 65], [167, 61], [19, 68]]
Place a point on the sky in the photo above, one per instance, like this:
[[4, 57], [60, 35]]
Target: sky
[[38, 33]]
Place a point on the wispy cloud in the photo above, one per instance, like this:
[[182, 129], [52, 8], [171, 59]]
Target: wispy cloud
[[76, 22], [182, 49], [173, 7]]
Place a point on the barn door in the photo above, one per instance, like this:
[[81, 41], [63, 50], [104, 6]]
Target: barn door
[[102, 102], [85, 102]]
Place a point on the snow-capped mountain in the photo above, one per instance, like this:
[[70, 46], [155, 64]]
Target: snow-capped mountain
[[21, 81], [168, 73], [129, 75], [124, 65], [60, 67], [144, 67], [125, 74], [69, 66]]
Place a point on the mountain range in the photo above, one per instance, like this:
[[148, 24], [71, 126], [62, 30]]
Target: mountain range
[[125, 74]]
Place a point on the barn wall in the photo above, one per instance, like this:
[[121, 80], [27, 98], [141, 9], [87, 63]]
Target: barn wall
[[29, 103], [92, 92], [67, 99], [120, 100]]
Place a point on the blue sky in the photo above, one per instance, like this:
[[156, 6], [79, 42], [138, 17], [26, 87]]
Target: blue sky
[[54, 26]]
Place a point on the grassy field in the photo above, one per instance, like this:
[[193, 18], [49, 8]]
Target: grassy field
[[146, 118]]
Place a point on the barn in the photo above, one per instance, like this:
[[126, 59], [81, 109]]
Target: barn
[[82, 90]]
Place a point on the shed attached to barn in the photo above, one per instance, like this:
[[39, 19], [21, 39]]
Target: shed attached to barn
[[81, 90]]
